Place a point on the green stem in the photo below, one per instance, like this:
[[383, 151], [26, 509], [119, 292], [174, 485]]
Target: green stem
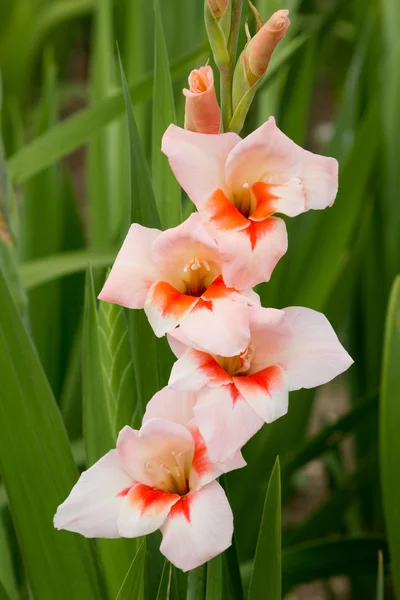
[[226, 96], [227, 72], [235, 27]]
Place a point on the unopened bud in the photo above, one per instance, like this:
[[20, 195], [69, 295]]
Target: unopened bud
[[218, 7], [202, 113], [254, 60], [260, 48]]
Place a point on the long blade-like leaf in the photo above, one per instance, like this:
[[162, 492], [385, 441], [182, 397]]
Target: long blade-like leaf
[[65, 137], [37, 467], [166, 188], [266, 580], [389, 429], [132, 587]]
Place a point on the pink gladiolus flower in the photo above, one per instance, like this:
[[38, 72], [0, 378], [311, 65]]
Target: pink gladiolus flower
[[238, 184], [202, 113], [175, 275], [160, 477], [289, 349]]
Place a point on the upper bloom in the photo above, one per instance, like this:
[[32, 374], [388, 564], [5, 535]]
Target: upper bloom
[[288, 349], [238, 184], [175, 275], [160, 477], [202, 113]]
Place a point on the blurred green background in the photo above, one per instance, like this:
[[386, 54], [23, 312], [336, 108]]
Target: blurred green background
[[72, 177]]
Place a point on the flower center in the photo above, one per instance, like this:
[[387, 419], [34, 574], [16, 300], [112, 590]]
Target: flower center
[[196, 276], [170, 473], [237, 365], [245, 201]]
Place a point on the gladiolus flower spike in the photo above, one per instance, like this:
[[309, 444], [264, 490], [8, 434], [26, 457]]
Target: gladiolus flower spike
[[236, 361]]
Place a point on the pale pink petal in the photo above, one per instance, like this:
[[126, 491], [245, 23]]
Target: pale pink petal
[[270, 336], [202, 113], [250, 256], [176, 248], [196, 369], [266, 155], [266, 392], [157, 439], [133, 271], [204, 469], [287, 199], [166, 307], [144, 510], [319, 175], [171, 405], [314, 356], [225, 420], [198, 527], [209, 326], [93, 506], [198, 160]]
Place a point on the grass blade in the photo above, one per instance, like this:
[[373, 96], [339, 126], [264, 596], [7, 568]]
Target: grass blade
[[380, 584], [166, 187], [67, 136], [214, 587], [99, 411], [37, 468], [389, 429], [266, 579], [132, 587]]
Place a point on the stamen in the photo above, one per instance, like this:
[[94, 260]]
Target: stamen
[[246, 186]]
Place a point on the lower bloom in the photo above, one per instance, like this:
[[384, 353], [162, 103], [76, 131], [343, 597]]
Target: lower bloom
[[288, 350], [160, 477]]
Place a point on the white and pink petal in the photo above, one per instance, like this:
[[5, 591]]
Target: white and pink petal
[[198, 527], [266, 391], [92, 508]]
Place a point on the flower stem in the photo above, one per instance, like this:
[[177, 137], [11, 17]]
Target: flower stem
[[227, 71], [235, 27], [197, 583]]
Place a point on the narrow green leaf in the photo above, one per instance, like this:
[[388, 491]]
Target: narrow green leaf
[[143, 211], [267, 572], [40, 271], [67, 136], [164, 589], [117, 363], [7, 574], [166, 187], [132, 587], [380, 583], [214, 588], [328, 558], [197, 583], [99, 410], [58, 13], [3, 593], [389, 429], [37, 468]]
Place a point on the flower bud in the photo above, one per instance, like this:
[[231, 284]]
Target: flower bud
[[260, 48], [254, 60], [202, 113], [218, 7]]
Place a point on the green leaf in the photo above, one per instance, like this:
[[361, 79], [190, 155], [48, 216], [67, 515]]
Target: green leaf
[[197, 583], [58, 13], [389, 429], [164, 589], [3, 593], [99, 409], [143, 211], [316, 279], [266, 578], [67, 136], [328, 558], [40, 271], [166, 187], [380, 583], [214, 587], [37, 468], [132, 587], [117, 363], [7, 574]]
